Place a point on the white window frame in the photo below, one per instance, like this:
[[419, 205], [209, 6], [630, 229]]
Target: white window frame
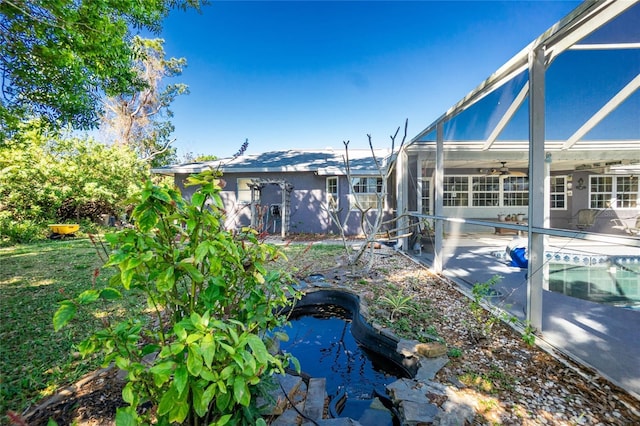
[[453, 186], [243, 195], [484, 181], [332, 197], [364, 198], [520, 192], [425, 199], [609, 195], [559, 191]]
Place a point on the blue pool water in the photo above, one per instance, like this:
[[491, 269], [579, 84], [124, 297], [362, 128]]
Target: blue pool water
[[611, 283]]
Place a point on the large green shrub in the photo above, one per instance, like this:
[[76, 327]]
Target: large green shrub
[[212, 300], [46, 178]]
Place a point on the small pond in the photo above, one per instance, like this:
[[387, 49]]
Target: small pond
[[329, 343]]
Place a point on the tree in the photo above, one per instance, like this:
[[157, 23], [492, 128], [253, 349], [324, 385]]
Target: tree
[[45, 178], [140, 119], [370, 225], [58, 58]]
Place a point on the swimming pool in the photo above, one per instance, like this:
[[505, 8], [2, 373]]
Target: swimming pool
[[610, 279], [611, 283]]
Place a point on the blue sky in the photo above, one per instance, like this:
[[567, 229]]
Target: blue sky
[[307, 75]]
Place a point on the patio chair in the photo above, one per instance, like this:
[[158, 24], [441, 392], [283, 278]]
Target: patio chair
[[622, 225], [585, 218]]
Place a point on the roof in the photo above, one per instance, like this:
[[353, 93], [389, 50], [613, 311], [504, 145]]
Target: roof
[[326, 162], [590, 98]]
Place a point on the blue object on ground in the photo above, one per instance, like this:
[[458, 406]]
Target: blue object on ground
[[519, 257]]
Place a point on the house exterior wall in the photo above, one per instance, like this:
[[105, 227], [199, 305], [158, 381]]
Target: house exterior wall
[[308, 213], [562, 218]]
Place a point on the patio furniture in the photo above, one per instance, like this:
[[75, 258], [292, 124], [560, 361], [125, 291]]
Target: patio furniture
[[585, 218], [622, 225]]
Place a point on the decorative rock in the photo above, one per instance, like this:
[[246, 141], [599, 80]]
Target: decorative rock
[[406, 390], [431, 349], [290, 384], [288, 418], [338, 422], [407, 347], [429, 367], [414, 413], [314, 404]]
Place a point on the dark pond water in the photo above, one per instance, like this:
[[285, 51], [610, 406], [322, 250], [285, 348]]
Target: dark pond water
[[325, 347]]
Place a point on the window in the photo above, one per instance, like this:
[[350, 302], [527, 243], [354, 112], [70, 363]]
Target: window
[[426, 196], [332, 193], [456, 191], [613, 191], [558, 192], [626, 192], [600, 191], [365, 191], [486, 191], [243, 191], [516, 191]]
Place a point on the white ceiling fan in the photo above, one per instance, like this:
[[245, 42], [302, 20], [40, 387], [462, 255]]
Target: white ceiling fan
[[502, 171]]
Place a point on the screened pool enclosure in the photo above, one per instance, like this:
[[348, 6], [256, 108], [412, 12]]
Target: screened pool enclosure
[[546, 151]]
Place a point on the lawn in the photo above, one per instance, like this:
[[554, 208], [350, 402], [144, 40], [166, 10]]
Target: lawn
[[510, 381], [33, 279], [36, 361]]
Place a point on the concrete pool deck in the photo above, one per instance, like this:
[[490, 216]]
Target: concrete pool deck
[[604, 337]]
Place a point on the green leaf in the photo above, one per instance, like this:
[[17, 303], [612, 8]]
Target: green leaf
[[223, 420], [228, 348], [125, 417], [296, 364], [234, 336], [181, 378], [126, 277], [180, 411], [201, 251], [162, 371], [196, 400], [51, 422], [208, 375], [147, 220], [151, 348], [122, 362], [88, 296], [193, 337], [226, 372], [176, 348], [127, 393], [223, 401], [193, 272], [166, 280], [208, 394], [161, 194], [64, 314], [194, 361], [241, 392], [258, 348], [197, 199], [180, 332], [207, 349], [133, 262], [167, 401], [110, 293]]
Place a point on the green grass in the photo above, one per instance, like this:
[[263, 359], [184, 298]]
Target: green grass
[[35, 360], [34, 278]]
